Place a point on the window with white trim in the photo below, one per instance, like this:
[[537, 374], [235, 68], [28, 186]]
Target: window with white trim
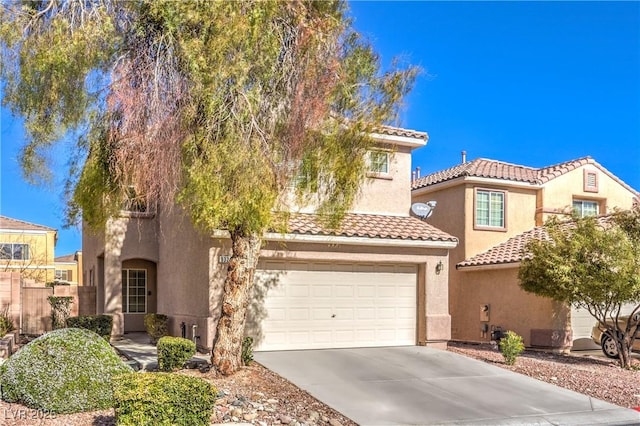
[[490, 209], [134, 291], [379, 162], [63, 274], [14, 251], [584, 208]]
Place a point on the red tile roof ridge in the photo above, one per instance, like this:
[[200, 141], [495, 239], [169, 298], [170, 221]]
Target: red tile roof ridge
[[512, 250], [17, 224], [369, 226]]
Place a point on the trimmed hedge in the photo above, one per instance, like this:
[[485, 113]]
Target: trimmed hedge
[[99, 324], [173, 352], [157, 326], [162, 399], [64, 371]]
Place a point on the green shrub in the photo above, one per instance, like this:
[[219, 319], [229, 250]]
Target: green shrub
[[6, 322], [157, 326], [247, 350], [64, 371], [99, 324], [60, 310], [511, 346], [173, 352], [162, 399]]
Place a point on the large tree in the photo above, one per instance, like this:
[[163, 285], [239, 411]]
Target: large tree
[[591, 263], [222, 106]]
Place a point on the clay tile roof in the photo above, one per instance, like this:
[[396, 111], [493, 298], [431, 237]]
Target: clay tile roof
[[21, 225], [482, 167], [512, 250], [398, 131], [66, 258], [370, 226]]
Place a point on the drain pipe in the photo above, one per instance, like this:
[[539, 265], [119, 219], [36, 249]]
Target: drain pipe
[[194, 330]]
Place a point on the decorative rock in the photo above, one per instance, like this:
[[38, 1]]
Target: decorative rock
[[334, 422], [314, 416], [284, 419], [250, 416], [221, 401], [236, 412], [325, 419], [261, 423], [272, 401]]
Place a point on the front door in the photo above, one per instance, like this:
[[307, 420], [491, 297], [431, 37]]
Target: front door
[[138, 292]]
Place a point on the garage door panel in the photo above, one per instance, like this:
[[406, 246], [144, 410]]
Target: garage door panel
[[320, 305]]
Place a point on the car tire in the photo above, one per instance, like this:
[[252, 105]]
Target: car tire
[[609, 346]]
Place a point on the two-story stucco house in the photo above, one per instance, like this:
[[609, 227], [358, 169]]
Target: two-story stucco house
[[494, 208], [27, 248], [376, 281]]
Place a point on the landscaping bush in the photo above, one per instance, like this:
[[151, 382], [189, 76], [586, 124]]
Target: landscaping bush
[[6, 322], [511, 346], [64, 371], [99, 324], [157, 326], [247, 350], [173, 352], [60, 309], [162, 399]]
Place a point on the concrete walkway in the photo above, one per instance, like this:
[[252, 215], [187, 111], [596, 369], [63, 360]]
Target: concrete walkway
[[136, 346], [418, 385]]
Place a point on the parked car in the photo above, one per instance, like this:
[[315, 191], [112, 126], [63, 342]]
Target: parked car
[[608, 343]]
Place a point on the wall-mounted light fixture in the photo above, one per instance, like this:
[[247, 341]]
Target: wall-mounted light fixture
[[439, 267]]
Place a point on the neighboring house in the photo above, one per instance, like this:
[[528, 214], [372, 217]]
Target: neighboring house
[[376, 281], [27, 248], [67, 268], [494, 208]]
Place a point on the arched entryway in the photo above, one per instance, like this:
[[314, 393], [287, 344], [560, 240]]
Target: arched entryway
[[138, 292]]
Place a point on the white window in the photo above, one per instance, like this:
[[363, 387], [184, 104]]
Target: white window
[[585, 208], [490, 208], [379, 162], [14, 251], [63, 274], [134, 291]]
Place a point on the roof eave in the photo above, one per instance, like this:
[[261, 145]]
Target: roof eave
[[489, 266], [353, 241], [411, 142]]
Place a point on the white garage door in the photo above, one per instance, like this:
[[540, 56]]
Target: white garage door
[[301, 305]]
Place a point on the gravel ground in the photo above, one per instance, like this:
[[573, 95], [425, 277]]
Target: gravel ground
[[259, 396], [594, 376]]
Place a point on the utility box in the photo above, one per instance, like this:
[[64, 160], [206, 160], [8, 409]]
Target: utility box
[[484, 312]]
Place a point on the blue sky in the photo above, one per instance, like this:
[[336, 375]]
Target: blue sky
[[532, 83]]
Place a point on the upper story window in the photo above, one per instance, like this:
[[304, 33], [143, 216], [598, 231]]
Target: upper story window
[[490, 209], [14, 251], [379, 162], [584, 208], [134, 202]]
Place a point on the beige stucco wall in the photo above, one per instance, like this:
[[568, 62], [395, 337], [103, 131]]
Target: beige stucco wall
[[510, 307], [388, 194], [124, 238]]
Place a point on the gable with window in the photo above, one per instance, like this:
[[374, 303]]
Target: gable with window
[[490, 207], [14, 251]]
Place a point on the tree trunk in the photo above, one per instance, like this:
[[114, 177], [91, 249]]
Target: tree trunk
[[624, 352], [227, 347]]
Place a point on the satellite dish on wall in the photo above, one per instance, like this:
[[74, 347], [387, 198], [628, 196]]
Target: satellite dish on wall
[[423, 210]]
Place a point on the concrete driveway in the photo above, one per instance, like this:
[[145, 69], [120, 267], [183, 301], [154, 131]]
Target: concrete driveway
[[418, 385]]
